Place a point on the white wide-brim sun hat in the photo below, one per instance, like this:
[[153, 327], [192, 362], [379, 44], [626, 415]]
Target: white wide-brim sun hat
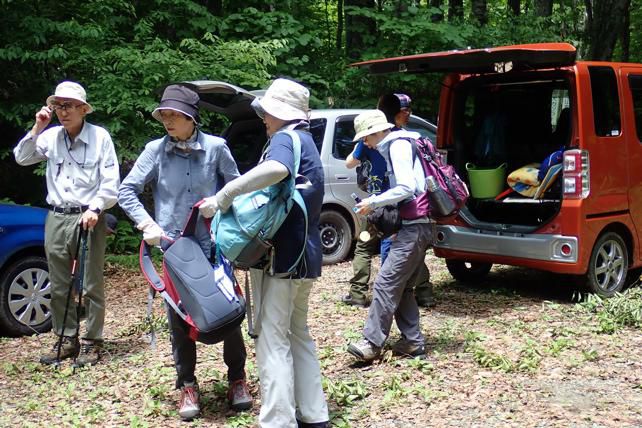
[[285, 100], [70, 90], [370, 122]]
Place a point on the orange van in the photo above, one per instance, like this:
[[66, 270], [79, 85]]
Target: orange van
[[568, 135]]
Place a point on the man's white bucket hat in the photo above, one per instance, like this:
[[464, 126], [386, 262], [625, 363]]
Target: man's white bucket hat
[[370, 122], [70, 90], [285, 100]]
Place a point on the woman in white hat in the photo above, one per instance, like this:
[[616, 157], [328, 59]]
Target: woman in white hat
[[182, 167], [82, 181], [392, 296], [291, 391]]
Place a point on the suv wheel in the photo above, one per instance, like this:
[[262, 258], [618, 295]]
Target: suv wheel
[[25, 297], [608, 265], [469, 272], [336, 236]]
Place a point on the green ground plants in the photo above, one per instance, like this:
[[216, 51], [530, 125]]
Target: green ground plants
[[620, 311]]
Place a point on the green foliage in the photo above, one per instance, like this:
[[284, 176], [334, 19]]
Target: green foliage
[[345, 393], [124, 240], [129, 261], [124, 53], [243, 419], [613, 314]]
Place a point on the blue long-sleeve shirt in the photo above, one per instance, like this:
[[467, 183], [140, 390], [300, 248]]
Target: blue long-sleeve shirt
[[178, 180]]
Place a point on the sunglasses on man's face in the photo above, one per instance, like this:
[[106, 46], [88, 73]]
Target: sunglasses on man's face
[[64, 106]]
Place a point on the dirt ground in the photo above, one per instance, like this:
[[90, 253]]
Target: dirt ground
[[514, 351]]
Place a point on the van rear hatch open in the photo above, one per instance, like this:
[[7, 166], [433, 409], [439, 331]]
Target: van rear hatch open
[[511, 107], [471, 61]]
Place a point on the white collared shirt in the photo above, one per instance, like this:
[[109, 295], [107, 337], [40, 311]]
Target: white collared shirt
[[80, 172]]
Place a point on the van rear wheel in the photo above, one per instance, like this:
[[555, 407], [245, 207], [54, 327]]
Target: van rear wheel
[[336, 236], [469, 272], [608, 265]]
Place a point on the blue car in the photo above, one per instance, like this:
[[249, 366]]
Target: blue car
[[25, 291]]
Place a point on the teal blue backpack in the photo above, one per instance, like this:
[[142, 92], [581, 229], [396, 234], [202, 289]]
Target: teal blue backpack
[[243, 234]]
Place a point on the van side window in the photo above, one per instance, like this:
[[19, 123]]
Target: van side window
[[635, 82], [343, 135], [606, 101]]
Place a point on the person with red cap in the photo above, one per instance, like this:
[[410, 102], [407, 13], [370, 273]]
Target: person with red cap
[[182, 168]]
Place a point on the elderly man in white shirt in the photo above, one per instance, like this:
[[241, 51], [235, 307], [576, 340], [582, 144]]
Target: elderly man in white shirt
[[82, 182]]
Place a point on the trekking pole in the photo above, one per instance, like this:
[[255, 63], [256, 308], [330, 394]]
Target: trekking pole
[[248, 309], [74, 266], [80, 282]]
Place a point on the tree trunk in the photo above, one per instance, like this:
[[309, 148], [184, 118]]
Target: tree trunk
[[401, 7], [214, 6], [339, 24], [436, 16], [543, 7], [625, 39], [356, 27], [480, 11], [605, 20], [237, 6], [514, 6], [455, 10]]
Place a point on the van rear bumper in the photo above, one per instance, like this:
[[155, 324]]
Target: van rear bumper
[[532, 246]]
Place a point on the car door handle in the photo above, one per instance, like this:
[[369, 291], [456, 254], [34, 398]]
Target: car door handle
[[1, 229], [341, 177]]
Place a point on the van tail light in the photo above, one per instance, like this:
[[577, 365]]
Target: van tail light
[[577, 183]]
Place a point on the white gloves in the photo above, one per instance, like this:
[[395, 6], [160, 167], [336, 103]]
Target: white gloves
[[152, 232], [209, 207]]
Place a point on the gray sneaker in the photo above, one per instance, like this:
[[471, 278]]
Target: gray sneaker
[[68, 349], [364, 350], [405, 348]]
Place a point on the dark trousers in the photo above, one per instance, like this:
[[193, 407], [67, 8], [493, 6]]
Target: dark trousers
[[184, 351], [392, 296], [363, 253]]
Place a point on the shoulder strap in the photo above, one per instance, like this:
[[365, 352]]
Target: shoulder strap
[[296, 195], [156, 285], [413, 146]]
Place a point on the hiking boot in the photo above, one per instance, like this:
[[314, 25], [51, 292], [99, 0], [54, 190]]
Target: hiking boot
[[425, 301], [89, 354], [239, 396], [404, 348], [188, 406], [364, 350], [68, 349], [351, 300]]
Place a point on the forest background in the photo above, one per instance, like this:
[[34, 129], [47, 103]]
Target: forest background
[[125, 52]]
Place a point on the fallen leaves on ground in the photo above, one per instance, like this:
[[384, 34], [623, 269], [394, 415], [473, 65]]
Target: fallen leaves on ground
[[516, 350]]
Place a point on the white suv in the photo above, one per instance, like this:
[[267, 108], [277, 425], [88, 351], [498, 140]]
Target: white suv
[[332, 130]]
